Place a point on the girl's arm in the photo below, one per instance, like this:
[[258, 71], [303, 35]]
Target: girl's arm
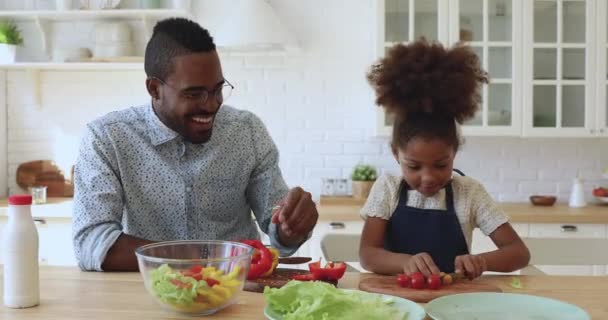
[[376, 259], [512, 254]]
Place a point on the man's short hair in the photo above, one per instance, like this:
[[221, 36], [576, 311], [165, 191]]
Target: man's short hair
[[171, 38]]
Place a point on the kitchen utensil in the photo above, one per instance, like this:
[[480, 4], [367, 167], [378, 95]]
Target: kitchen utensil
[[577, 196], [538, 200], [494, 306], [294, 260], [279, 278], [414, 311], [388, 285], [169, 267], [44, 173]]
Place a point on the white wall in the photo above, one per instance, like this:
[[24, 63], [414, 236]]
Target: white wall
[[317, 106]]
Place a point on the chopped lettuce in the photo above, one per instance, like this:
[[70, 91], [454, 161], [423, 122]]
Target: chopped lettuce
[[163, 285], [318, 300]]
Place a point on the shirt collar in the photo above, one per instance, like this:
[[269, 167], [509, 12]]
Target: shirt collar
[[159, 132]]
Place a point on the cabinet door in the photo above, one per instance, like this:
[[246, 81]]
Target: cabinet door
[[602, 67], [555, 230], [482, 243], [559, 63], [493, 29], [403, 21]]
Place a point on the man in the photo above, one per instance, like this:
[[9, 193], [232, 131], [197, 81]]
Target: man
[[184, 167]]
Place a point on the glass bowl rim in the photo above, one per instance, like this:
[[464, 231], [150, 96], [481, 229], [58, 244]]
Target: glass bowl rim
[[139, 251]]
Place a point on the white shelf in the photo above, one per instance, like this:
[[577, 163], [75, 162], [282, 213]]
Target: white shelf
[[74, 66], [69, 15]]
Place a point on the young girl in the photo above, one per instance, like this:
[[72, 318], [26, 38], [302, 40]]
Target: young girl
[[423, 220]]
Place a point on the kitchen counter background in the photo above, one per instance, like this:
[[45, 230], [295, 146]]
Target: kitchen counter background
[[337, 209]]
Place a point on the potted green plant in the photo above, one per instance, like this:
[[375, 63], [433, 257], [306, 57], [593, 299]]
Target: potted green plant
[[363, 178], [10, 38]]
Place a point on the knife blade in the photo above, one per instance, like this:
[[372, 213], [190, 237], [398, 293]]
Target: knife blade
[[294, 260]]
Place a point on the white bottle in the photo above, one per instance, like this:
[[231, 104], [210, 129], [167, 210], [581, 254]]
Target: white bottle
[[577, 196], [21, 279]]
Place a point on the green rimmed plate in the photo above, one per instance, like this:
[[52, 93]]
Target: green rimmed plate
[[502, 306]]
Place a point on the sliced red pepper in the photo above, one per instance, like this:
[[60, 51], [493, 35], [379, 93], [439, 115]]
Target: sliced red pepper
[[304, 277], [196, 268], [263, 264], [332, 271], [211, 282]]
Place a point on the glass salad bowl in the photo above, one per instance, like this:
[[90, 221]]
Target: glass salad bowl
[[194, 277]]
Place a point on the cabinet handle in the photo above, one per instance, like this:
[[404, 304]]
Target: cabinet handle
[[337, 225], [569, 228], [40, 220]]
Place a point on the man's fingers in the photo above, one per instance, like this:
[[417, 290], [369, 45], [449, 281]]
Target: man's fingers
[[291, 201]]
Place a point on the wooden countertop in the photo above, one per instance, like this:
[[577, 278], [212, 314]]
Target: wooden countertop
[[348, 210], [69, 294]]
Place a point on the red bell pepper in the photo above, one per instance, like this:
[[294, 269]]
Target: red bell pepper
[[260, 265], [332, 271], [304, 277]]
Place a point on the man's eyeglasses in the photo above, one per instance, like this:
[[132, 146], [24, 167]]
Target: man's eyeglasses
[[221, 93]]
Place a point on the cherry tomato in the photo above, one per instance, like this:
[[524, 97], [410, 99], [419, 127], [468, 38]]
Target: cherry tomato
[[434, 282], [403, 280], [417, 281], [447, 280]]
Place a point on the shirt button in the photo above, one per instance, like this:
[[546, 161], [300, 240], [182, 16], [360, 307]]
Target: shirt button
[[188, 189]]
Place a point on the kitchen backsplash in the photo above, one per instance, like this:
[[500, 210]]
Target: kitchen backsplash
[[316, 104]]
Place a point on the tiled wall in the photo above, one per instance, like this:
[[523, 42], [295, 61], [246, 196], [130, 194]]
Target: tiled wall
[[316, 105]]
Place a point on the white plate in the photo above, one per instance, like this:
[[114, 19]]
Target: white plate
[[502, 306], [414, 311]]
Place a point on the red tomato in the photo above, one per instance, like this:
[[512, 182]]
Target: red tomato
[[417, 281], [403, 280], [196, 268], [211, 282], [180, 284], [434, 282]]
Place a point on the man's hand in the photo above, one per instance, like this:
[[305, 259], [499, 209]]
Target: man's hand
[[295, 217]]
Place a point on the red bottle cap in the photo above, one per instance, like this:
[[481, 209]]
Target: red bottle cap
[[20, 199]]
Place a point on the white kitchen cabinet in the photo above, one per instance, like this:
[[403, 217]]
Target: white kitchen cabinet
[[601, 75], [491, 27], [547, 61], [555, 230], [482, 243], [559, 64], [54, 241]]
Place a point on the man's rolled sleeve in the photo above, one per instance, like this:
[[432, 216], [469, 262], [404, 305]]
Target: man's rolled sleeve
[[98, 201]]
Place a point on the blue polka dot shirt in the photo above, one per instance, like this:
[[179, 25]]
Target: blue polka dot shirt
[[136, 176]]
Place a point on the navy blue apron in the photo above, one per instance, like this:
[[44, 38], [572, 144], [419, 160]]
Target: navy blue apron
[[437, 232]]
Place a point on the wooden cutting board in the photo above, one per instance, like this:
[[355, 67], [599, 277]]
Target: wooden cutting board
[[45, 173], [388, 285], [279, 278]]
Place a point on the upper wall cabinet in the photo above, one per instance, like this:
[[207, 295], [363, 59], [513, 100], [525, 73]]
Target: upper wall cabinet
[[559, 64], [547, 60]]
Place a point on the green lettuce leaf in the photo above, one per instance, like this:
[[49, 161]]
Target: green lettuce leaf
[[168, 292], [318, 300]]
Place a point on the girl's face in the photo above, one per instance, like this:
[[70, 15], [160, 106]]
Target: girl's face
[[426, 164]]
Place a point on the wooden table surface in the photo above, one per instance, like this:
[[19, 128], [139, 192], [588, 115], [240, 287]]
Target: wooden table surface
[[67, 293]]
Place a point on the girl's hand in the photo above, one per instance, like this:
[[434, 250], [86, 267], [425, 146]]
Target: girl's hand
[[421, 262], [471, 265]]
